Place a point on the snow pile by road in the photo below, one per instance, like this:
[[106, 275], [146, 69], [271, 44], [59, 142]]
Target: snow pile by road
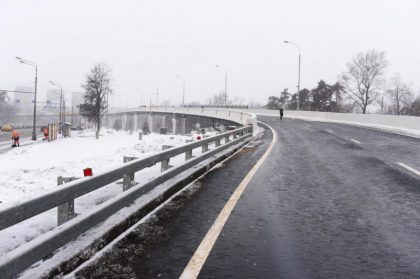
[[34, 168]]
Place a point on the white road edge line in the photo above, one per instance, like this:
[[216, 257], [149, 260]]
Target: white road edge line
[[355, 141], [307, 125], [409, 168], [328, 131], [197, 261]]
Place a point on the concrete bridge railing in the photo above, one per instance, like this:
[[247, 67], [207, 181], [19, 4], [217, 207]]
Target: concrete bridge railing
[[403, 123], [241, 117]]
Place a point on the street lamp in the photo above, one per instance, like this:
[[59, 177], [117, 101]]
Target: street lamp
[[183, 90], [286, 42], [30, 63], [151, 102], [225, 83], [61, 101], [157, 94]]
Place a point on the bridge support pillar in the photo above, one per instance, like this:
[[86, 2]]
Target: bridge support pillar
[[124, 122], [223, 128], [136, 122], [150, 118], [182, 125], [163, 121], [174, 125]]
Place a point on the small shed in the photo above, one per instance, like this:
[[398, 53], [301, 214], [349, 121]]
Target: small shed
[[66, 129]]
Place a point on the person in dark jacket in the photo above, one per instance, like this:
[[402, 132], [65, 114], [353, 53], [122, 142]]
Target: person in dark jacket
[[281, 113]]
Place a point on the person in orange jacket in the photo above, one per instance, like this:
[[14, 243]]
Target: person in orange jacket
[[15, 137], [46, 133]]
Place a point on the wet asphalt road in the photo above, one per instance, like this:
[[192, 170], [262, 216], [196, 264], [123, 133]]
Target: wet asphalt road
[[23, 132], [330, 201], [6, 137]]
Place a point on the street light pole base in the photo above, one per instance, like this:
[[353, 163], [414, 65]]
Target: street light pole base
[[33, 135]]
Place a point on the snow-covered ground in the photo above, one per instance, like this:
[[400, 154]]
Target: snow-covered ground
[[34, 168]]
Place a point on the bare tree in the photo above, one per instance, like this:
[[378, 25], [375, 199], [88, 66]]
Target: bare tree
[[363, 80], [254, 105], [97, 86], [194, 104], [7, 111], [166, 103], [415, 106], [217, 99], [400, 95], [238, 101]]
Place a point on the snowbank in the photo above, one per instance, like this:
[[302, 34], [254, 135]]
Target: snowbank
[[34, 168]]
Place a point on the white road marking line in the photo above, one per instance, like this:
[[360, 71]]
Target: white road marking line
[[197, 261], [328, 131], [307, 125], [355, 141], [409, 168]]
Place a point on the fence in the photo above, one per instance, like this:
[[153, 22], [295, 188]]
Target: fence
[[52, 132], [31, 252]]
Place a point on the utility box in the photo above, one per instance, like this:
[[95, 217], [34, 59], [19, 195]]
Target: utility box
[[163, 131]]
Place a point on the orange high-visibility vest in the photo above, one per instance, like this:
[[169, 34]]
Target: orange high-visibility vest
[[45, 131], [15, 134]]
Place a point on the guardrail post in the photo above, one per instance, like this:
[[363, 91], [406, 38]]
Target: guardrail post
[[217, 143], [65, 212], [205, 147], [227, 139], [240, 135], [188, 155], [234, 136], [129, 178], [140, 136], [164, 165]]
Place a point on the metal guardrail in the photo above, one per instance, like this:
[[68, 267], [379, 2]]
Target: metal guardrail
[[31, 252]]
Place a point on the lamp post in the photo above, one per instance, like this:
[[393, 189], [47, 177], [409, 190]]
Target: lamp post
[[61, 101], [157, 94], [151, 102], [225, 83], [286, 42], [183, 90], [33, 64]]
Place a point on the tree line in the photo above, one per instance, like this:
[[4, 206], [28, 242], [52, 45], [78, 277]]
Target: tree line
[[362, 84], [7, 111]]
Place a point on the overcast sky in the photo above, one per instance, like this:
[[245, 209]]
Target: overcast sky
[[151, 42]]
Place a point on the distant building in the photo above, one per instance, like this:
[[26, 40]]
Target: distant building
[[53, 99], [23, 101], [77, 98]]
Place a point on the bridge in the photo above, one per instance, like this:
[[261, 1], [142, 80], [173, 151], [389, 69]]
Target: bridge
[[314, 195]]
